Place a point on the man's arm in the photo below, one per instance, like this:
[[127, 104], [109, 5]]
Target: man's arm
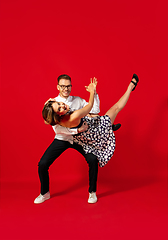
[[58, 129], [96, 106]]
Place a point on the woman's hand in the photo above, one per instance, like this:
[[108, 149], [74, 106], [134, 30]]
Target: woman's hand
[[92, 86]]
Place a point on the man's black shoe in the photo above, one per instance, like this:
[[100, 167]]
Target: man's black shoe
[[115, 127]]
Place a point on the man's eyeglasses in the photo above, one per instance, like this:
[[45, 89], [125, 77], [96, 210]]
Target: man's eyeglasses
[[65, 86]]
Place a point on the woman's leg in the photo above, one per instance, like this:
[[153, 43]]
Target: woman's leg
[[116, 108]]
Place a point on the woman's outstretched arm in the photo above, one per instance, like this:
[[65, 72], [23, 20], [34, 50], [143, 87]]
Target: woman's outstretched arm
[[74, 119]]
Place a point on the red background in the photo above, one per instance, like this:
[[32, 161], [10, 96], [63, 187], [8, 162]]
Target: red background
[[107, 39]]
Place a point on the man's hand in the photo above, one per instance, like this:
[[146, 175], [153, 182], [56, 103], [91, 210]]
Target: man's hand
[[50, 99], [83, 128], [94, 81]]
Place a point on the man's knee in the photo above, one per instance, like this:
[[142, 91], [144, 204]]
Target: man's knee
[[42, 164]]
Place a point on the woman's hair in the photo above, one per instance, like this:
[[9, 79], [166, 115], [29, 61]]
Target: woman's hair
[[49, 115]]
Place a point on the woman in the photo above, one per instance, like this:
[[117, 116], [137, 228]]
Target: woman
[[99, 139]]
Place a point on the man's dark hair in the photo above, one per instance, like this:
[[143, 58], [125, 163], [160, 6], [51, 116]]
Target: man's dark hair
[[63, 76]]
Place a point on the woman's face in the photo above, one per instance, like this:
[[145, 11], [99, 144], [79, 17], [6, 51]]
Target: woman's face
[[60, 108]]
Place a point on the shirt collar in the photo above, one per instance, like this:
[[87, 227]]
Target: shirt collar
[[69, 99]]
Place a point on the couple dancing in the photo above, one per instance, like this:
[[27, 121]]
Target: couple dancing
[[77, 125]]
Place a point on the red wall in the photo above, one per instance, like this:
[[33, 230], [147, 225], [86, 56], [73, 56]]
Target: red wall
[[107, 39]]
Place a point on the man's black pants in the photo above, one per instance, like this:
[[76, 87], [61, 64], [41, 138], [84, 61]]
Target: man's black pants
[[56, 148]]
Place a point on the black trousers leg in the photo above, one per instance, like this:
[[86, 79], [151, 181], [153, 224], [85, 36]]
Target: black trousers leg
[[93, 167], [56, 148]]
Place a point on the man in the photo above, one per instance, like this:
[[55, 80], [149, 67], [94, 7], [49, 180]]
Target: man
[[64, 140]]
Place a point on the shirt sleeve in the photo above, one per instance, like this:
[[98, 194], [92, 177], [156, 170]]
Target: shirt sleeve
[[96, 105]]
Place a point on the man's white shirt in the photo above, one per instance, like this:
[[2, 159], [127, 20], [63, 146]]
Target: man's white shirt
[[75, 103]]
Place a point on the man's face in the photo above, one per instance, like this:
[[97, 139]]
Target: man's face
[[64, 87]]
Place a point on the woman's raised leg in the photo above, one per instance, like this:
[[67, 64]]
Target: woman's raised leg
[[116, 108]]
